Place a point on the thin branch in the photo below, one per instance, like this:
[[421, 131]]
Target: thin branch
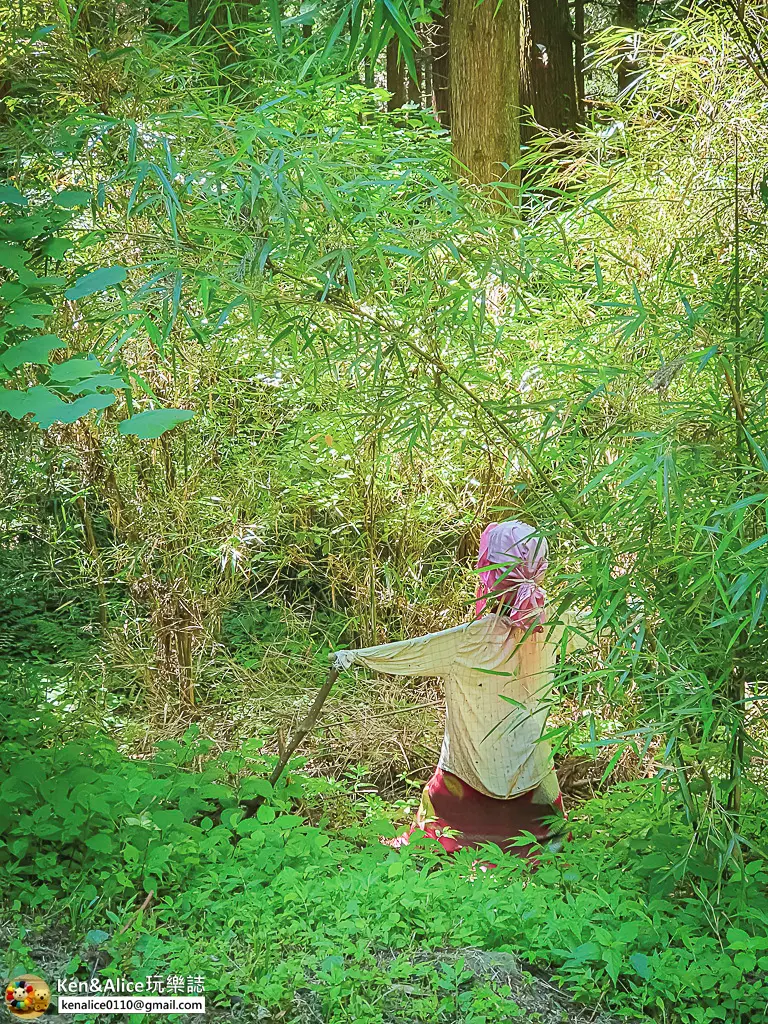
[[738, 13], [438, 364], [134, 916]]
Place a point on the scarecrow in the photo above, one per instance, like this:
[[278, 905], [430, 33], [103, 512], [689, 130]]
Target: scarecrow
[[495, 778]]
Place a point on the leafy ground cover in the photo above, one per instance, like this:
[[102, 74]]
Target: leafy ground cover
[[296, 366], [297, 912]]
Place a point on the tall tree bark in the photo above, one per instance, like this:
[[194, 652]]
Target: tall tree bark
[[415, 84], [547, 79], [426, 68], [224, 12], [485, 53], [196, 12], [578, 52], [395, 76], [441, 88], [627, 17]]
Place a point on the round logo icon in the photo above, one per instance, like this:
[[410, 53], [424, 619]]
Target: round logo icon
[[27, 996]]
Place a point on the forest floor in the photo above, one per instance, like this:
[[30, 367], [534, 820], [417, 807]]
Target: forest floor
[[538, 998]]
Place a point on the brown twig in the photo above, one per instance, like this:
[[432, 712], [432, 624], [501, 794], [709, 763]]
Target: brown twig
[[133, 916]]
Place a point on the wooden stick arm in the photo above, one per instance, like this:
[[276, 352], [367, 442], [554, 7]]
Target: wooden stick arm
[[306, 726]]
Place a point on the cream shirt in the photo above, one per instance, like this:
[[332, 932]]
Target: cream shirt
[[497, 690]]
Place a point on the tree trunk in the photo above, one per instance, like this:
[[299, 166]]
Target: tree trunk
[[414, 84], [426, 69], [441, 87], [547, 80], [627, 17], [196, 11], [395, 76], [578, 52], [225, 12], [485, 51]]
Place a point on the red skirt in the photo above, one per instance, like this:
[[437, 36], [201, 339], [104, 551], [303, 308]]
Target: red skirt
[[473, 818]]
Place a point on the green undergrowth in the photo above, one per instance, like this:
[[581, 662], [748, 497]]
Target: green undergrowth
[[40, 621], [286, 903], [253, 630]]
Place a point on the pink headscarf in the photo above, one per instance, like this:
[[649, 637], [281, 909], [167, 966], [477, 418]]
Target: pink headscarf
[[519, 544]]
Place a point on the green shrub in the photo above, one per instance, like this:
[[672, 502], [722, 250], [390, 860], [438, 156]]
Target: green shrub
[[294, 907]]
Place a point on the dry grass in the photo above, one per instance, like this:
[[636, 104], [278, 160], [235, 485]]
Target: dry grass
[[384, 732]]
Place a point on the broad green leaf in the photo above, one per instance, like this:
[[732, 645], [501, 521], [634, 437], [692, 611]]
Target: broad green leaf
[[24, 228], [33, 350], [100, 843], [265, 814], [14, 789], [745, 960], [641, 964], [289, 820], [100, 380], [11, 290], [231, 817], [612, 959], [97, 281], [627, 931], [13, 257], [586, 951], [27, 314], [154, 422], [30, 279], [738, 938], [11, 196], [71, 198], [57, 247], [47, 408], [255, 786], [15, 403], [76, 369], [68, 412]]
